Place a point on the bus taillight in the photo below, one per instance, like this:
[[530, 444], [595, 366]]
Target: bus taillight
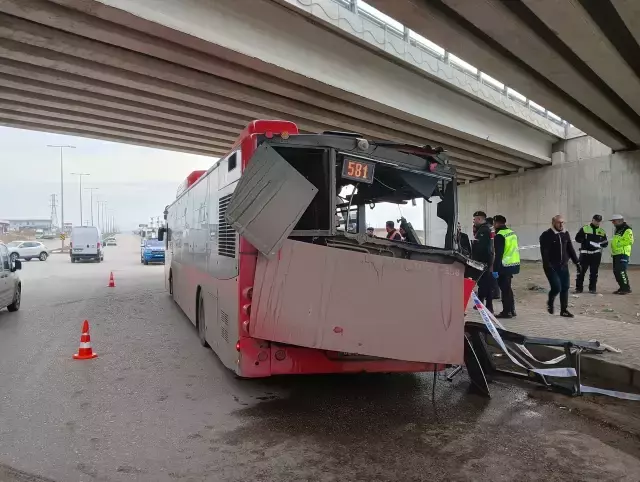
[[248, 292]]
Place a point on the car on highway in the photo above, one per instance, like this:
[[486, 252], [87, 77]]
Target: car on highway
[[86, 244], [10, 285], [28, 250], [110, 242], [151, 251]]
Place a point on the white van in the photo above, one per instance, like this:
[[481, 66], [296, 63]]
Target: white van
[[86, 243]]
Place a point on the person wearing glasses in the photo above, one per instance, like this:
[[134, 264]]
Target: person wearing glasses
[[556, 248]]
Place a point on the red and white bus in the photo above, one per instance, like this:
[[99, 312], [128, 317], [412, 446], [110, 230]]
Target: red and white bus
[[211, 264]]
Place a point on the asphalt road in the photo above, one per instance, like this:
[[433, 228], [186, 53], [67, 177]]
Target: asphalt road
[[156, 406]]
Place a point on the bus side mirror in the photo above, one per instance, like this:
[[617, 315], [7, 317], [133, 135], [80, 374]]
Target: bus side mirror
[[161, 232]]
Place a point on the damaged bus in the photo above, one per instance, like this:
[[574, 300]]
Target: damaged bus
[[268, 256]]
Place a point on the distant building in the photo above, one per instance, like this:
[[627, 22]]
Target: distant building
[[4, 226], [22, 224]]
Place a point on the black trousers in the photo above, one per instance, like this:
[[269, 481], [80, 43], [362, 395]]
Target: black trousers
[[620, 262], [592, 263], [485, 290], [559, 282], [508, 301]]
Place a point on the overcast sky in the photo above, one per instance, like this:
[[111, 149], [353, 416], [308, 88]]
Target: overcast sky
[[137, 182]]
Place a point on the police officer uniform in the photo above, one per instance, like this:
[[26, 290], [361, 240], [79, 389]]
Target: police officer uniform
[[621, 252], [506, 264], [592, 239], [482, 251]]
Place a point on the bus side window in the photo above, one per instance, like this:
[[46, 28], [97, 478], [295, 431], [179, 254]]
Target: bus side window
[[233, 162]]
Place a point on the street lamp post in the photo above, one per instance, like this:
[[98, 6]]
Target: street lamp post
[[62, 148], [80, 174], [91, 189]]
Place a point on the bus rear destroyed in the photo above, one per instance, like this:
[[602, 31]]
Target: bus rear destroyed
[[268, 255]]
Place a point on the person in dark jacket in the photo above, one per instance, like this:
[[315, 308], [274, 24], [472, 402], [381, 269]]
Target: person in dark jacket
[[392, 233], [556, 249], [482, 251], [506, 264], [495, 289], [463, 241], [592, 239]]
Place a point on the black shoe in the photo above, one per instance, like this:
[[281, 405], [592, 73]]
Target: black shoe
[[577, 290], [504, 315], [617, 292], [513, 314], [623, 292], [566, 314], [550, 309], [593, 292]]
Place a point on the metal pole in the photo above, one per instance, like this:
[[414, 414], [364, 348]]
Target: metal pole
[[81, 223], [80, 174], [91, 189], [62, 187], [425, 206]]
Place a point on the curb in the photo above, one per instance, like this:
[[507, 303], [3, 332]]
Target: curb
[[621, 376]]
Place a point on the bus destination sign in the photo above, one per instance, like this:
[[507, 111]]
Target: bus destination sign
[[357, 170]]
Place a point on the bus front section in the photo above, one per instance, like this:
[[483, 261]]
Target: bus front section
[[328, 295]]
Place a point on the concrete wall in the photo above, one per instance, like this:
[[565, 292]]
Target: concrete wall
[[577, 189]]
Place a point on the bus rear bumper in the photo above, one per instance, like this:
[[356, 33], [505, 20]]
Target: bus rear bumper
[[296, 360]]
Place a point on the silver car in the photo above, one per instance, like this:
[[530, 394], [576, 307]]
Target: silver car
[[28, 250], [10, 285]]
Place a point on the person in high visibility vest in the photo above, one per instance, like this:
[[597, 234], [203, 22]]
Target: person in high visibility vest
[[621, 252], [592, 239], [506, 264]]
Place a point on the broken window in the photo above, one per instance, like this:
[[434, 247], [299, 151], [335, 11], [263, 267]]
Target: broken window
[[316, 187]]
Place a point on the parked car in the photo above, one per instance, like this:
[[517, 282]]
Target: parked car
[[28, 250], [151, 251], [86, 243], [110, 242], [10, 285]]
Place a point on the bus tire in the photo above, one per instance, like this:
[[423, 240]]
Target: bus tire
[[201, 321]]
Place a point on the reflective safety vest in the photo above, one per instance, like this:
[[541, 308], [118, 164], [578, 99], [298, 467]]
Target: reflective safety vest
[[587, 229], [621, 242], [511, 255]]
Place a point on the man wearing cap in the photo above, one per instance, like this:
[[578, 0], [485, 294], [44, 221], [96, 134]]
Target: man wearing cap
[[621, 252], [506, 263], [482, 251], [592, 239]]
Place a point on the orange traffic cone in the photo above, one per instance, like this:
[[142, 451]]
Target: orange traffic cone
[[112, 282], [85, 352]]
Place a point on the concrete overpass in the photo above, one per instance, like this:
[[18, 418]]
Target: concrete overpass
[[579, 58], [188, 76]]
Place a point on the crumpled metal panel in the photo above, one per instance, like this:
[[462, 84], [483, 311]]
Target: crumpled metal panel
[[270, 198], [345, 301]]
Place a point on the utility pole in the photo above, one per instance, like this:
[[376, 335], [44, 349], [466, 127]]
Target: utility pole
[[54, 213], [91, 189], [80, 174], [62, 148]]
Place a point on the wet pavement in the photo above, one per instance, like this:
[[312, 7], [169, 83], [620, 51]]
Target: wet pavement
[[156, 406]]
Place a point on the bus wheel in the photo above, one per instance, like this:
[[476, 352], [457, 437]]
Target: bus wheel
[[202, 322]]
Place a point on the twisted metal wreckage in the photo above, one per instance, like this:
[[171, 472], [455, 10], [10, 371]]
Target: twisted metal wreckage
[[561, 373]]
